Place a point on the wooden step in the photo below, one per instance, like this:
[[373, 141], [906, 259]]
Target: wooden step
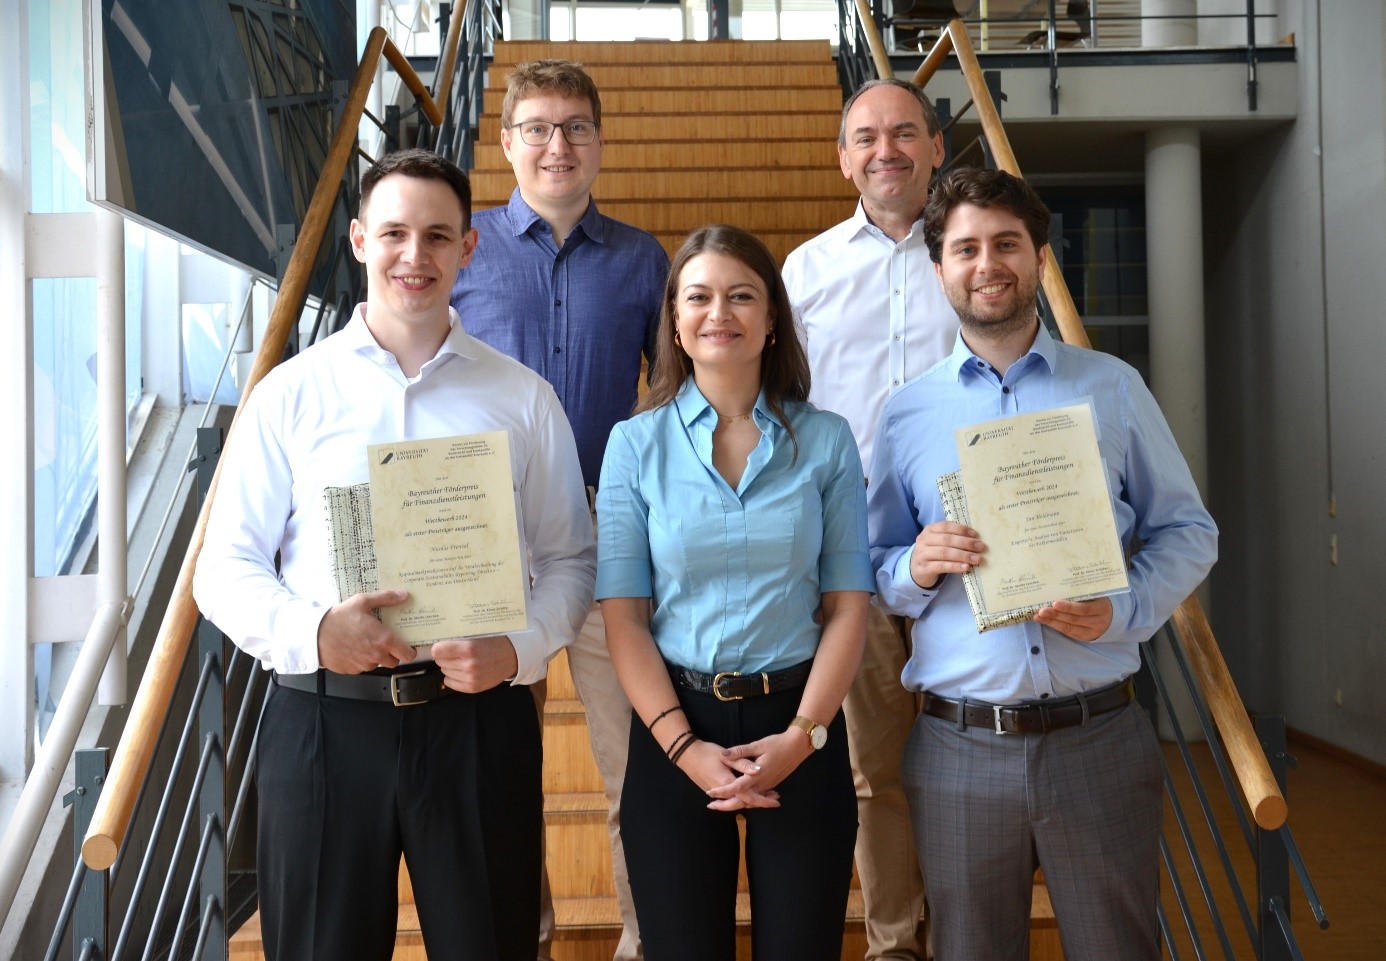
[[694, 184], [691, 99], [819, 126], [507, 53], [620, 156], [664, 74]]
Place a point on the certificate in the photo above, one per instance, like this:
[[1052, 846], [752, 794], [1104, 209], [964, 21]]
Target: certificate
[[1034, 488], [445, 529]]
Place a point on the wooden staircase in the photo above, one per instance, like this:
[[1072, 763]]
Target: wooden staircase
[[739, 132]]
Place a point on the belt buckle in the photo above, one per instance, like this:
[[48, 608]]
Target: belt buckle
[[717, 686], [996, 710], [394, 688]]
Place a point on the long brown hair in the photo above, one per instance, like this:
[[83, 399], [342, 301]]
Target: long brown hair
[[784, 369]]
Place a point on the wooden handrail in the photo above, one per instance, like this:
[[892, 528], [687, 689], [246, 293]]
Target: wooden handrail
[[1258, 784], [873, 40], [111, 820]]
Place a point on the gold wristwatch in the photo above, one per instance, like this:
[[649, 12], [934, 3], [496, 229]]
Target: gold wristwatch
[[817, 733]]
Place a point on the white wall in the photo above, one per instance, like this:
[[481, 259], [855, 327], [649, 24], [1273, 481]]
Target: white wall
[[1297, 342]]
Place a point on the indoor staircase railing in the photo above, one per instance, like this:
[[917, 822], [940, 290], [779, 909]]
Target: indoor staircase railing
[[1257, 757], [191, 913]]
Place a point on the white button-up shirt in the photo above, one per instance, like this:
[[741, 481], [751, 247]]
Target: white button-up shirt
[[306, 427], [872, 316]]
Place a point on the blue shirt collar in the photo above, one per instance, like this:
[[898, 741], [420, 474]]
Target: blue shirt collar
[[522, 217], [963, 359], [692, 406]]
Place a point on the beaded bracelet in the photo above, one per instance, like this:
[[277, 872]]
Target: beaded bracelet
[[685, 746], [662, 715], [669, 751]]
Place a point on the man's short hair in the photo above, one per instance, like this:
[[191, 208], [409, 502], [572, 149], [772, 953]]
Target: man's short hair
[[983, 188], [424, 165], [930, 115], [538, 77]]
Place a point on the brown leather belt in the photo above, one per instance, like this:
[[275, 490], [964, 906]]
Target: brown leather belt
[[402, 688], [733, 685], [1032, 717]]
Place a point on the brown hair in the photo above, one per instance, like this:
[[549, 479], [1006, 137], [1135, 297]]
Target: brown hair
[[983, 188], [931, 124], [784, 369], [563, 77], [424, 165]]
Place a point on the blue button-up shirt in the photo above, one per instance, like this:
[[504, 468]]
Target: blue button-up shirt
[[1158, 512], [579, 315], [736, 575]]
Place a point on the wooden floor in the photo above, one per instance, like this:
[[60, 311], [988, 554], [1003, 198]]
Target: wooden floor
[[1338, 819]]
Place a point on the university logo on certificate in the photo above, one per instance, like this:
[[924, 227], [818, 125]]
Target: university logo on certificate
[[1034, 488]]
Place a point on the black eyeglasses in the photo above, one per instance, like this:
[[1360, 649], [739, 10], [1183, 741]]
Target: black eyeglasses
[[536, 133]]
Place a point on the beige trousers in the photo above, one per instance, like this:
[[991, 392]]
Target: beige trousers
[[880, 714], [608, 727]]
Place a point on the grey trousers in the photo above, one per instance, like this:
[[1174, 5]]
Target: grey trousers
[[1083, 803]]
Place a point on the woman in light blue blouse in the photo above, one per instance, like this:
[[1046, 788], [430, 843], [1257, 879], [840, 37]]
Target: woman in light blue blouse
[[734, 578]]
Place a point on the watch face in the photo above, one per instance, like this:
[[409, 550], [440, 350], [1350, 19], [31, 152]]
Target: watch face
[[818, 737]]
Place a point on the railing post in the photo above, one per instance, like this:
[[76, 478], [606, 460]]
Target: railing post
[[212, 723], [90, 915], [1251, 55], [1272, 859]]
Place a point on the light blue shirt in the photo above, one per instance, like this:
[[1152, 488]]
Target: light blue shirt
[[1159, 515], [736, 575]]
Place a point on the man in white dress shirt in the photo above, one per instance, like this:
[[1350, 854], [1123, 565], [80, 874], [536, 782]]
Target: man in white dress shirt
[[369, 749], [873, 316]]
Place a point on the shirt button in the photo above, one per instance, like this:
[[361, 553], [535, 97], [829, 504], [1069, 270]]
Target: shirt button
[[1042, 696], [1034, 650], [896, 337], [558, 303], [895, 382], [558, 350], [1005, 390]]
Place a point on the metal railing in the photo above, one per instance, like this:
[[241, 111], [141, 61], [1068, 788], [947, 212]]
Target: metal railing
[[1055, 29], [197, 905]]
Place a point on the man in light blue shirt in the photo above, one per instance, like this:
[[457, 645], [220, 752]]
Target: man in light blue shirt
[[575, 297], [1029, 751]]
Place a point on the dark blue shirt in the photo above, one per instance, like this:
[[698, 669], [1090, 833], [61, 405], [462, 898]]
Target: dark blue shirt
[[580, 316]]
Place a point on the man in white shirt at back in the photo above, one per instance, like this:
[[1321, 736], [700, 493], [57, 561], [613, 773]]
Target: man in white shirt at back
[[872, 315]]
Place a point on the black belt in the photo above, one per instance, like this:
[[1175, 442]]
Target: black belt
[[1032, 717], [400, 688], [733, 685]]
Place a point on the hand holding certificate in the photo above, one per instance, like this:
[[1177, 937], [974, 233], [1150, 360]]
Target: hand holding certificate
[[1034, 488]]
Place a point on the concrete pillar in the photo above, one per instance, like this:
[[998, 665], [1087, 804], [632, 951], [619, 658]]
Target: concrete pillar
[[1174, 279], [1169, 33]]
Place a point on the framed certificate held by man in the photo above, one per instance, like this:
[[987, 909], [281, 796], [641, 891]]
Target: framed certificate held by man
[[438, 519], [1034, 488]]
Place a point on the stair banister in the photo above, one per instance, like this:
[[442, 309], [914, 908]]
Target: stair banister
[[111, 820]]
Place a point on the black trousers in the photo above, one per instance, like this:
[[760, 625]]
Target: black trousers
[[683, 858], [347, 786]]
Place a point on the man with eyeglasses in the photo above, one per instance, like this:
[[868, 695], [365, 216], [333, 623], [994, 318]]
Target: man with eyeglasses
[[574, 296]]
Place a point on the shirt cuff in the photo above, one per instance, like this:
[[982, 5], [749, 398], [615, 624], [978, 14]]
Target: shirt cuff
[[294, 647]]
